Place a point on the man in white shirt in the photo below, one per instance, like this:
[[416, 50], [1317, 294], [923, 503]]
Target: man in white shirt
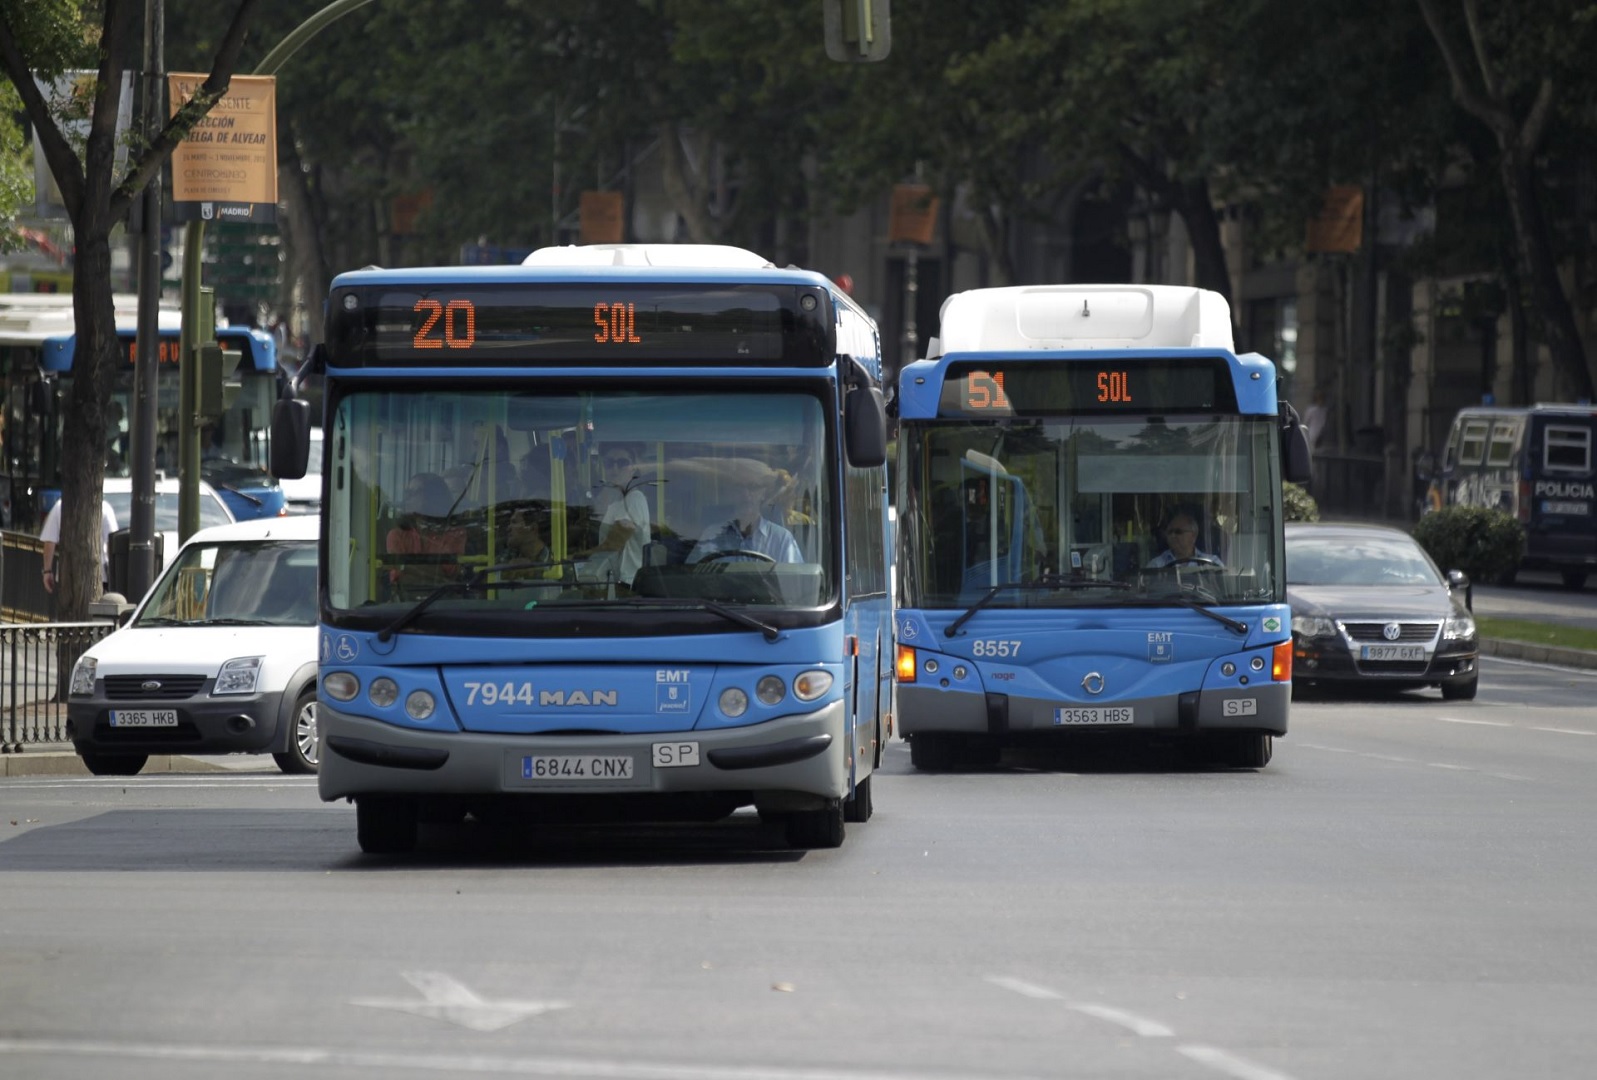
[[51, 535], [748, 530]]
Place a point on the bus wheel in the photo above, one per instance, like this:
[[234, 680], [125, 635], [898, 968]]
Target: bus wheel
[[1249, 750], [859, 808], [385, 825], [817, 828], [113, 764], [931, 750]]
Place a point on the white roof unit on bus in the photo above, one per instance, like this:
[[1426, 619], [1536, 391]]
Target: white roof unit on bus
[[1024, 317], [685, 255]]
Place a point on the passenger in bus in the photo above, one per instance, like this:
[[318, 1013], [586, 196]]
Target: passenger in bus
[[1181, 538], [749, 484], [424, 531], [623, 511]]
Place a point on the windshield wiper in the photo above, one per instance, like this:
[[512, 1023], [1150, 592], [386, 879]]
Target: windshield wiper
[[770, 632], [471, 583], [1046, 581], [1195, 605], [234, 622]]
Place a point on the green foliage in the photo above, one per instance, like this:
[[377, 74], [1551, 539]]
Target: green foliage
[[16, 168], [1485, 543], [1298, 504]]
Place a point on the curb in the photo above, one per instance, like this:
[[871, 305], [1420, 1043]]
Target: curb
[[55, 762], [1544, 654]]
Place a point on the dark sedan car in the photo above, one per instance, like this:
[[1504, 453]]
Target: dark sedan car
[[1370, 607]]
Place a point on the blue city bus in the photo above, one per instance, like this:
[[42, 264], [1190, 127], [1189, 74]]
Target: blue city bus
[[1046, 445], [604, 539], [37, 345]]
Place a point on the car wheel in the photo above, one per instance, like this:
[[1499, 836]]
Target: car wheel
[[385, 825], [931, 750], [817, 828], [300, 757], [1463, 690], [859, 808], [113, 764]]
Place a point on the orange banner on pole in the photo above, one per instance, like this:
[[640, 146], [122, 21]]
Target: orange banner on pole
[[226, 168], [912, 214], [1340, 226], [601, 213]]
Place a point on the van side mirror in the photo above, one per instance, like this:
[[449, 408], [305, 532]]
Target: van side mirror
[[291, 438]]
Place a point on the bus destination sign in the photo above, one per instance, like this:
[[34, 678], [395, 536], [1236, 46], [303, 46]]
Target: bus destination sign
[[1098, 385]]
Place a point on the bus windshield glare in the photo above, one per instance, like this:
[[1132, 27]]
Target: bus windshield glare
[[1085, 503], [535, 502]]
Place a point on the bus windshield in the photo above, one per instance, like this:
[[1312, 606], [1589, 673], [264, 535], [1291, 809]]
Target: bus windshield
[[1101, 512], [523, 503]]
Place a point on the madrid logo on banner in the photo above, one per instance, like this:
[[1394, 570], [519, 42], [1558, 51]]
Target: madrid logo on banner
[[226, 168]]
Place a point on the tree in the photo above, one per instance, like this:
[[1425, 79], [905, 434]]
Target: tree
[[1512, 69], [45, 38]]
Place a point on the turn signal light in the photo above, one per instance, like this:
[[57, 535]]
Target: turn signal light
[[906, 664], [1281, 666]]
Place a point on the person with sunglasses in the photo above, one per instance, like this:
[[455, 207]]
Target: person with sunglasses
[[1181, 538], [624, 515]]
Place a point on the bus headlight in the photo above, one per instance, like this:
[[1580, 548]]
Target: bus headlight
[[340, 686], [384, 692], [420, 705], [811, 684], [238, 676], [83, 675], [734, 702], [770, 690], [1458, 626]]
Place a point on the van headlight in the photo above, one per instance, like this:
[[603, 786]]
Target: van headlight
[[83, 675], [238, 676]]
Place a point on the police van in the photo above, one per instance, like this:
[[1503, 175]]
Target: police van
[[1535, 462]]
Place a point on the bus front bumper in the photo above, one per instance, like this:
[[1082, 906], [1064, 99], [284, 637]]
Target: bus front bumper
[[1262, 708], [804, 755]]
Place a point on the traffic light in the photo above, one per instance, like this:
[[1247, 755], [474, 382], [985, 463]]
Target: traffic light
[[857, 31], [219, 382]]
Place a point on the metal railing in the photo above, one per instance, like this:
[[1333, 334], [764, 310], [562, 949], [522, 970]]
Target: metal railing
[[35, 667]]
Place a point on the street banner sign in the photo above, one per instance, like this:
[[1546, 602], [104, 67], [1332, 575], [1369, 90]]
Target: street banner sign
[[226, 170]]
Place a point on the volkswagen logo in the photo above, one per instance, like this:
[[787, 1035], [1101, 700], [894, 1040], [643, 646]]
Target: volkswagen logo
[[1092, 682], [150, 686], [1392, 631]]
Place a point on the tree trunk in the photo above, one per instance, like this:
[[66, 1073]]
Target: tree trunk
[[1540, 269], [687, 196], [83, 426], [1192, 201]]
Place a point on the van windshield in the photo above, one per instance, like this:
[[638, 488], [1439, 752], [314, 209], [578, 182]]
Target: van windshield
[[251, 583]]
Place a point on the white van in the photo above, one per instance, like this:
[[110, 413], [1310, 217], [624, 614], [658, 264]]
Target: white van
[[219, 658]]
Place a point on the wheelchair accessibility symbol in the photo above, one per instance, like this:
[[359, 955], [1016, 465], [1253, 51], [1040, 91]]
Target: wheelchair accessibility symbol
[[346, 648]]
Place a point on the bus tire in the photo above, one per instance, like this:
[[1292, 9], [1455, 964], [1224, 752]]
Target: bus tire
[[931, 751], [113, 764], [385, 825], [817, 828], [1250, 750], [859, 808]]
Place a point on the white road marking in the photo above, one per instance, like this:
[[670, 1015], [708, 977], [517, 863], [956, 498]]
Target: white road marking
[[1482, 723], [1564, 731], [1445, 765], [446, 1064], [449, 999], [1229, 1064], [1212, 1056]]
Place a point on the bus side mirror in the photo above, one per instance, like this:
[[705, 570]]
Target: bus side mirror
[[865, 427], [291, 438], [1297, 464]]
